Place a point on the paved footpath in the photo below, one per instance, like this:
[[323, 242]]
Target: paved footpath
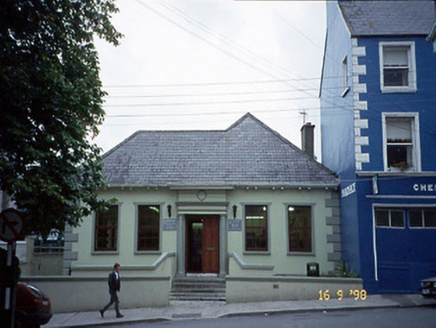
[[183, 310]]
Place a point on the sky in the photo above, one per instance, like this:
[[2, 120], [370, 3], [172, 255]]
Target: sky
[[203, 64]]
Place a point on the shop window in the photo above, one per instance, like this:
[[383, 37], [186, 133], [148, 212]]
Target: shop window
[[256, 228], [106, 230], [148, 233], [300, 228]]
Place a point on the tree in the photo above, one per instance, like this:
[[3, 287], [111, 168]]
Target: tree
[[51, 107]]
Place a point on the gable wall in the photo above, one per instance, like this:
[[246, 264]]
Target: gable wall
[[337, 117], [127, 198], [278, 201]]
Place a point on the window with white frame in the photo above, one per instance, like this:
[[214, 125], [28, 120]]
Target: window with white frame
[[422, 218], [401, 143], [397, 66], [389, 218]]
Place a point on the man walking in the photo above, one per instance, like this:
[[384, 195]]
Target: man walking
[[114, 288]]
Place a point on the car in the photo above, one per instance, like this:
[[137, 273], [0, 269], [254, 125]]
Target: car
[[428, 287], [33, 307]]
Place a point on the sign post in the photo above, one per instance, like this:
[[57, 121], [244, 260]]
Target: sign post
[[11, 227]]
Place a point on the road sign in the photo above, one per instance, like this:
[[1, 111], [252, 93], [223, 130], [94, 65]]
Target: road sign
[[11, 225]]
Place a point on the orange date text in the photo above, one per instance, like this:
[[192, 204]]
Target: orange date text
[[357, 294]]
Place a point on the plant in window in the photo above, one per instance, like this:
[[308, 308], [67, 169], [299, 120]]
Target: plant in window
[[400, 143], [403, 165]]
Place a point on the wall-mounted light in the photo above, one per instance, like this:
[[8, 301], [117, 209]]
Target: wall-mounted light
[[235, 208], [169, 207]]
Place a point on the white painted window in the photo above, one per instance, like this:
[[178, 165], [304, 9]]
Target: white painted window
[[401, 142], [389, 218], [397, 66], [422, 218]]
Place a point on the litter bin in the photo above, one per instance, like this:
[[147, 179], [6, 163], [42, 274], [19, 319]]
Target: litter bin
[[312, 269]]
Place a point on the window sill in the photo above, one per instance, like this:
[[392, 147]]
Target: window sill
[[398, 170], [105, 253], [148, 252], [37, 254], [257, 253], [301, 254], [398, 89]]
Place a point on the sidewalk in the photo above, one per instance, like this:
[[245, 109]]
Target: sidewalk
[[182, 310]]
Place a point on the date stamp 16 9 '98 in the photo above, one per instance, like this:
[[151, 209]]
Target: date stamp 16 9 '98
[[358, 294]]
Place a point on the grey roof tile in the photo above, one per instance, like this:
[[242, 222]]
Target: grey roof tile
[[394, 17], [248, 153]]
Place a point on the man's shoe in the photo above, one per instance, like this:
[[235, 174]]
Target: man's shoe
[[119, 315], [102, 313]]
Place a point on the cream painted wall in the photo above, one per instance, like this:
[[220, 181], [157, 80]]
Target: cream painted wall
[[278, 256], [126, 233], [284, 263], [258, 289], [76, 294]]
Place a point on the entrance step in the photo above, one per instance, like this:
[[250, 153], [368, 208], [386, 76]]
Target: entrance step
[[198, 289]]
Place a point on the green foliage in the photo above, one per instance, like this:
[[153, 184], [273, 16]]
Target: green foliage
[[342, 271], [51, 107]]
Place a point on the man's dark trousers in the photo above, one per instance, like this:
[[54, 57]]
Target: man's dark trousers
[[114, 287], [114, 299]]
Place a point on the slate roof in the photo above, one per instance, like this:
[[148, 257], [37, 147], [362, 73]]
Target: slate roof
[[377, 18], [248, 153]]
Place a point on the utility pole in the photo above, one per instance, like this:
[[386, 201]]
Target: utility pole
[[11, 227]]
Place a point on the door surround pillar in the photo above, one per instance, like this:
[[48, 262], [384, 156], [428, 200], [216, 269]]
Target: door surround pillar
[[181, 242], [223, 245], [201, 208]]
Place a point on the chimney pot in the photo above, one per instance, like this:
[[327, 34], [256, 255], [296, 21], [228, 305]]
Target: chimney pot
[[307, 139]]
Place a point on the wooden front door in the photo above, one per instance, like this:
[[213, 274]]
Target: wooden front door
[[210, 245], [202, 244]]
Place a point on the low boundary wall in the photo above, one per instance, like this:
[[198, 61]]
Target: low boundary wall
[[283, 288], [71, 294]]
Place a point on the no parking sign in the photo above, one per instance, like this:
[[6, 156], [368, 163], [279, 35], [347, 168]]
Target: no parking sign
[[11, 225]]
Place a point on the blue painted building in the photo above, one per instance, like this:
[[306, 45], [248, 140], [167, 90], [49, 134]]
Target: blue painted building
[[378, 115]]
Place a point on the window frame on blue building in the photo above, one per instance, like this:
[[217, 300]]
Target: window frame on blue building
[[409, 47], [426, 218], [415, 165], [389, 221]]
